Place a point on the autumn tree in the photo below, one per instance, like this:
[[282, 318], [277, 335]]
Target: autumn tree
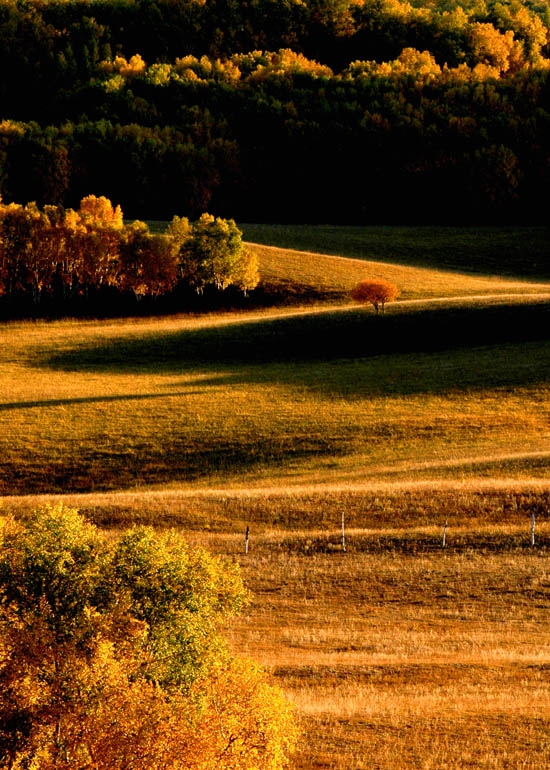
[[15, 237], [211, 253], [375, 292], [147, 262], [110, 655], [29, 249], [103, 224]]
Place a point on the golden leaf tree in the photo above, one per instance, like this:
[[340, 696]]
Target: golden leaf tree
[[377, 292], [110, 656], [211, 253]]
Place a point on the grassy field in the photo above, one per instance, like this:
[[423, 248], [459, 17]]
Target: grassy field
[[291, 276], [506, 251], [399, 654], [333, 396]]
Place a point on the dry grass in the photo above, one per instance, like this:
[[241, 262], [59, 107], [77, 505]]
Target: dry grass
[[286, 399], [469, 505], [396, 660], [305, 274], [398, 654]]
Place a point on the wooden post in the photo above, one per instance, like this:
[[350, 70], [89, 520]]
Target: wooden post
[[444, 538], [532, 529], [343, 534], [246, 539]]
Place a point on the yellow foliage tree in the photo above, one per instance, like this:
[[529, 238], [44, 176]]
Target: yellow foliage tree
[[110, 656], [211, 253], [495, 49], [99, 212]]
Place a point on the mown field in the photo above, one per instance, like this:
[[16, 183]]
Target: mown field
[[398, 653]]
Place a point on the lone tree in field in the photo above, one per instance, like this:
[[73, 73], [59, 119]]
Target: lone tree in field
[[111, 658], [377, 292]]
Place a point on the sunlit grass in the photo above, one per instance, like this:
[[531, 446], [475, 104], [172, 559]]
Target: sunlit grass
[[395, 660], [293, 399], [303, 274], [510, 251], [399, 654]]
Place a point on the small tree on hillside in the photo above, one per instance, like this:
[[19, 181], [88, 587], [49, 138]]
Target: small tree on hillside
[[376, 292]]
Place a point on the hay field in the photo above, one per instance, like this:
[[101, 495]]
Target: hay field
[[399, 653]]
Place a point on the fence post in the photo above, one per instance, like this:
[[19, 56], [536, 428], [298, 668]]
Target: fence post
[[246, 539], [532, 529], [444, 538], [343, 534]]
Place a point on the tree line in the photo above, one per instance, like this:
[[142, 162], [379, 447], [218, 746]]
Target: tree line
[[62, 255], [273, 110]]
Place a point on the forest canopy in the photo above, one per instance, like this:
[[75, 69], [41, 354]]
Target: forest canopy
[[271, 110]]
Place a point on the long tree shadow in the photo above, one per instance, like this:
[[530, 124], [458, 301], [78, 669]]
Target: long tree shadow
[[53, 402], [350, 354], [284, 349]]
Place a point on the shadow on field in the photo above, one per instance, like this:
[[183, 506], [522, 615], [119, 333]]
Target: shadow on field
[[472, 343], [49, 402]]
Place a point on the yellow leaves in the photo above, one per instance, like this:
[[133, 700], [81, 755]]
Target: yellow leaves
[[495, 49], [419, 64], [211, 253], [73, 221], [285, 63], [179, 230], [120, 70], [115, 83], [91, 248], [526, 25], [247, 273], [108, 695], [159, 74], [123, 67], [12, 127], [250, 723], [99, 212]]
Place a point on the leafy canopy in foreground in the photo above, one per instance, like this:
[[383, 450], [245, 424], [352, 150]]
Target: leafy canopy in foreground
[[377, 292], [110, 655]]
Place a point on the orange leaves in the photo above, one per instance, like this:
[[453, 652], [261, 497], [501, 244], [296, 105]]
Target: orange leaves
[[376, 292]]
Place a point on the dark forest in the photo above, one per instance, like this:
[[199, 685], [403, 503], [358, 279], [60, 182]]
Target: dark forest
[[279, 110]]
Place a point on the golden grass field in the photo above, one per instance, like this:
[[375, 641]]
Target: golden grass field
[[397, 653], [303, 274]]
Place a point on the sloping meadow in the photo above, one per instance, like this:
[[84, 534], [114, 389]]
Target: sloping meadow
[[92, 406]]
